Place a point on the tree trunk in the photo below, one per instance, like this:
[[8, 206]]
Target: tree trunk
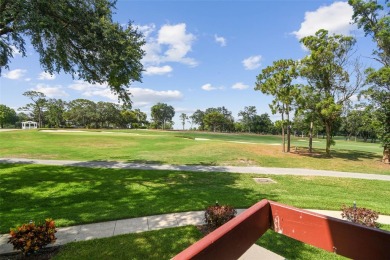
[[311, 137], [288, 132], [328, 128], [284, 140], [386, 154]]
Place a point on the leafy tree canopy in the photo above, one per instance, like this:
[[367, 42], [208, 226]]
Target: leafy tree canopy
[[77, 37], [374, 18]]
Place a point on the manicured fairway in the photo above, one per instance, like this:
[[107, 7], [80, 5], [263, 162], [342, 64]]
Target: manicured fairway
[[75, 195], [191, 148]]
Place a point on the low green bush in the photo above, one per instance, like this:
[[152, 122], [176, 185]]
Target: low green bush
[[30, 238]]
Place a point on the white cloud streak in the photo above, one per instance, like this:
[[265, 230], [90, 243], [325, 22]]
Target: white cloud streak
[[15, 74], [220, 40], [46, 76], [155, 70], [209, 87], [240, 86], [55, 91], [251, 63], [336, 18], [140, 96]]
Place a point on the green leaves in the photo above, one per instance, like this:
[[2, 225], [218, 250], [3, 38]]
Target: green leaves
[[375, 21], [76, 37], [162, 113]]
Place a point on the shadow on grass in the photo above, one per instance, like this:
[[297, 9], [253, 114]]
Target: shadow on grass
[[291, 248], [348, 155], [161, 244], [75, 195]]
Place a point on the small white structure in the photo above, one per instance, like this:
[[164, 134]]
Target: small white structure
[[29, 125]]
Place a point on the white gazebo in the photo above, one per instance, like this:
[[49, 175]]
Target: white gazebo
[[29, 125]]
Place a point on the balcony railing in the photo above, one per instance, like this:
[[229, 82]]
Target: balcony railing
[[341, 237]]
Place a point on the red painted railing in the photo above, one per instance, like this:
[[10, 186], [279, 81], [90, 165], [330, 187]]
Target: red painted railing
[[344, 238]]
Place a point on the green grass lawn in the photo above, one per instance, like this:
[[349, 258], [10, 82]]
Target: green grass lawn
[[166, 243], [182, 148], [160, 244], [75, 195]]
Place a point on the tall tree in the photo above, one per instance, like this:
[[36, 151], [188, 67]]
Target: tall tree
[[55, 109], [81, 112], [248, 115], [325, 69], [277, 80], [214, 120], [7, 115], [197, 117], [77, 37], [262, 124], [107, 114], [183, 118], [39, 102], [306, 105], [128, 119], [162, 114], [141, 118], [374, 18]]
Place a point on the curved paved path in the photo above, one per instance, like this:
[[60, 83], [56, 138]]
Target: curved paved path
[[201, 168]]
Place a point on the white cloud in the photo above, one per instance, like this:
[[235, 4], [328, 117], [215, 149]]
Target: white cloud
[[153, 70], [187, 111], [240, 86], [15, 51], [27, 79], [172, 43], [209, 87], [251, 63], [46, 76], [336, 18], [15, 74], [220, 40], [146, 29], [56, 91], [140, 96], [145, 96]]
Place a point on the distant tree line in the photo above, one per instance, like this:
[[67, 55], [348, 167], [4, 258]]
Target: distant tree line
[[56, 113], [360, 121]]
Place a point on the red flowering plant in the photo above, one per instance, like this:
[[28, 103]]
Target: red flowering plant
[[363, 216], [216, 216], [30, 238]]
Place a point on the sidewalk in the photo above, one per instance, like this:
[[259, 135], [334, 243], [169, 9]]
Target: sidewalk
[[201, 168], [135, 225]]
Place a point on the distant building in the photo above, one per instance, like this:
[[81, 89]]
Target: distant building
[[29, 125]]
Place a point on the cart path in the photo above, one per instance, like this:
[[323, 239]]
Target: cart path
[[201, 168]]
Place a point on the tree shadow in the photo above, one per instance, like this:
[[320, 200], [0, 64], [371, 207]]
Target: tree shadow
[[348, 155], [291, 248], [74, 195]]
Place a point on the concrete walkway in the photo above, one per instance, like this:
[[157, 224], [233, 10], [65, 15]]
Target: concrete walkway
[[135, 225], [201, 168], [142, 224]]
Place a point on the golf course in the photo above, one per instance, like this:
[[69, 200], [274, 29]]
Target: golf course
[[77, 195]]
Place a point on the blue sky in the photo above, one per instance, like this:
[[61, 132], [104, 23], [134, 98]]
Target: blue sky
[[200, 54]]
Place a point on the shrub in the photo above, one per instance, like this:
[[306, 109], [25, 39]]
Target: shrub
[[216, 216], [30, 238], [363, 216]]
